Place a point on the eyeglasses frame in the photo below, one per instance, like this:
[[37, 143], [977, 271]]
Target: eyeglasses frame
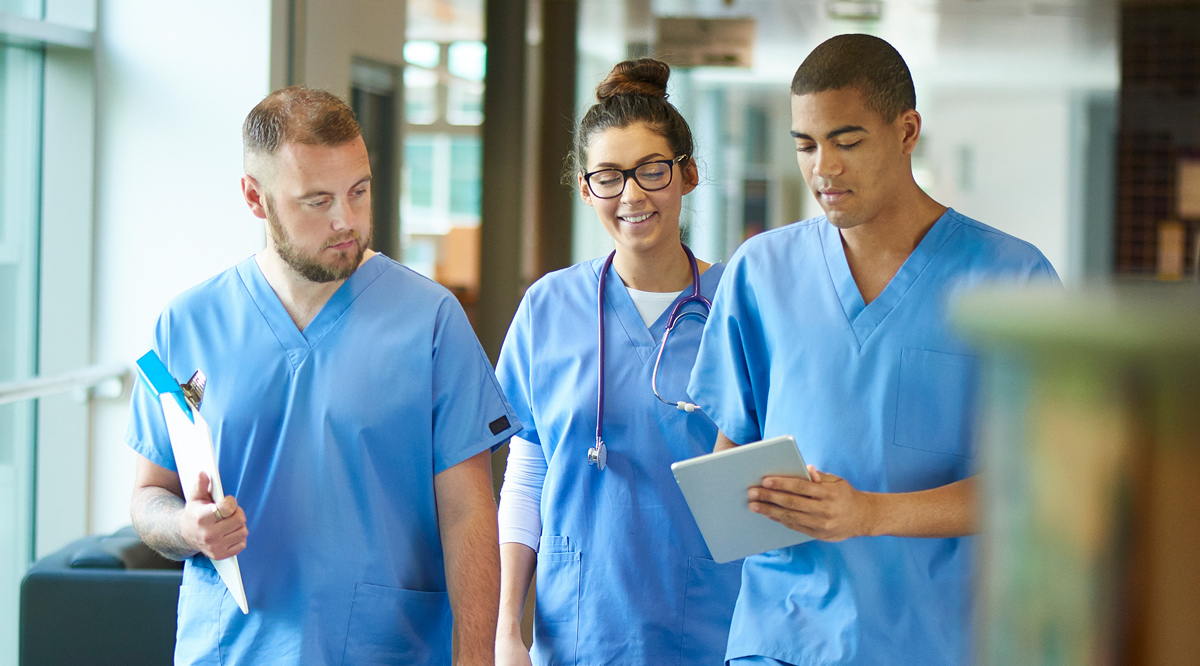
[[626, 174]]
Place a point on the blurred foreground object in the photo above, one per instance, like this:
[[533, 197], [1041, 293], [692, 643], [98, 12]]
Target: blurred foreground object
[[1090, 444]]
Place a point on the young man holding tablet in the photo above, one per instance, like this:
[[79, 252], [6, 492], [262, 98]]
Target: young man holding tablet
[[834, 330]]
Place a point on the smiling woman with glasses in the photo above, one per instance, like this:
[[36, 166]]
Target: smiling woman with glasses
[[596, 365]]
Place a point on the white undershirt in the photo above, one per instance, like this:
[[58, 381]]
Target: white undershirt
[[651, 304], [520, 513]]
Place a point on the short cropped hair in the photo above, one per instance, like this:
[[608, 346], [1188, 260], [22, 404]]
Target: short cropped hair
[[866, 63], [298, 115]]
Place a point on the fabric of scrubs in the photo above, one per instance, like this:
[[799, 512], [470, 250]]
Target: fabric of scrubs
[[329, 439], [882, 395], [623, 575]]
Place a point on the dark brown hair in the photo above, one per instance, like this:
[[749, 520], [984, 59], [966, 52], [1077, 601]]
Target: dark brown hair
[[298, 115], [635, 91], [865, 63]]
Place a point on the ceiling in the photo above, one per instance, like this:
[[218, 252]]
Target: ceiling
[[959, 43]]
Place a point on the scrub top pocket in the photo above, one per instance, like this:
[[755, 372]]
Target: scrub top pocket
[[708, 610], [198, 635], [556, 612], [935, 400], [390, 625]]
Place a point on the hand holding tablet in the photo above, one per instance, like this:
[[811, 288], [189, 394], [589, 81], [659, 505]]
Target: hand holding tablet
[[715, 487]]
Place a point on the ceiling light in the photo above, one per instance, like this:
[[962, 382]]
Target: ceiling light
[[854, 10]]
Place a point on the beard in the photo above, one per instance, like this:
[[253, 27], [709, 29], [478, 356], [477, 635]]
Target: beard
[[309, 266]]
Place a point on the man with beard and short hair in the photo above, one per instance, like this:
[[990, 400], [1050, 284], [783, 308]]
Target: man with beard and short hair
[[353, 412]]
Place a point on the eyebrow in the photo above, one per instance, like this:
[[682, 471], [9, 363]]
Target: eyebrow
[[643, 160], [844, 129], [323, 193]]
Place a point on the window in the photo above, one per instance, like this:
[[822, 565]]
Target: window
[[440, 196], [46, 138], [465, 162], [20, 132]]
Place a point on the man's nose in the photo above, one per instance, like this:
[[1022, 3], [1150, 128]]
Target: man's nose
[[343, 215], [827, 163]]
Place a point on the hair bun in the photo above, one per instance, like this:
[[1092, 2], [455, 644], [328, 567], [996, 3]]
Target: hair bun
[[646, 77]]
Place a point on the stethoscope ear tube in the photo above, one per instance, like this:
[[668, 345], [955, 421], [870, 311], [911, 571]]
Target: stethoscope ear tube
[[598, 454]]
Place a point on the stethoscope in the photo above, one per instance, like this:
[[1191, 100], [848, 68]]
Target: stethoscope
[[598, 454]]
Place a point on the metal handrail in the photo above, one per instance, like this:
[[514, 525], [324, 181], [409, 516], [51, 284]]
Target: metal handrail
[[82, 379]]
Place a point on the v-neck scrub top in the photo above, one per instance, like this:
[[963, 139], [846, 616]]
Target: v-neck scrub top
[[882, 395], [329, 439], [623, 575]]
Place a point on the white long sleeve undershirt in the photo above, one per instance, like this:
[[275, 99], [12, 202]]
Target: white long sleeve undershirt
[[520, 513]]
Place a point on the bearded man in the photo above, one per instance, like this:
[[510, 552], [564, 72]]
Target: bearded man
[[352, 410]]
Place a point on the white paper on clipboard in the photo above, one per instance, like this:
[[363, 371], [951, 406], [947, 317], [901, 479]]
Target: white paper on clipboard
[[193, 448]]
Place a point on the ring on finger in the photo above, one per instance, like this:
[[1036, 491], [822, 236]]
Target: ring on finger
[[217, 512]]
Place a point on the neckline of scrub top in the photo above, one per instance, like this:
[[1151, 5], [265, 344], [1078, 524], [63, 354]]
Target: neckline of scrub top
[[296, 343], [619, 304], [864, 318]]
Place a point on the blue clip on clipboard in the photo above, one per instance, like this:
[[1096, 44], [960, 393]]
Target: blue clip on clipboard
[[160, 380]]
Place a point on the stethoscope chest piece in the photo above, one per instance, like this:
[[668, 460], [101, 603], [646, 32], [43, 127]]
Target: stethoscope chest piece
[[598, 455]]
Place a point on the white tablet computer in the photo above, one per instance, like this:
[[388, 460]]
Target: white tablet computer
[[715, 486]]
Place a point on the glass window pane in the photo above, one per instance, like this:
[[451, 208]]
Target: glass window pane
[[422, 53], [26, 8], [465, 177], [20, 133], [420, 95], [468, 60], [418, 163], [464, 103]]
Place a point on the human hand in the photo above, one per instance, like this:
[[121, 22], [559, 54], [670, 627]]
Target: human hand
[[217, 530], [827, 508], [511, 650]]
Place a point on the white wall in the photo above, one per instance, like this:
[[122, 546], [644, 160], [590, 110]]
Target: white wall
[[335, 31], [1004, 158], [174, 82]]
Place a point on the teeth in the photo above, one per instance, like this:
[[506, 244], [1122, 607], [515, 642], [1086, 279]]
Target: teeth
[[639, 218]]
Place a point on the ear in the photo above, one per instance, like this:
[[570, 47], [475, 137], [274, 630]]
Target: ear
[[909, 125], [255, 196], [691, 175], [584, 192]]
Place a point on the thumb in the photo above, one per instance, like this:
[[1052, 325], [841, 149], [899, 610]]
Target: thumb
[[228, 505], [822, 477], [200, 489]]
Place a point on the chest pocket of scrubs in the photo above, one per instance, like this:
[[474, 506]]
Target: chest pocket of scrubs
[[556, 613], [935, 402], [389, 625]]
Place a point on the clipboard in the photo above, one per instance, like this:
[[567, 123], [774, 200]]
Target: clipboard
[[191, 442], [714, 486]]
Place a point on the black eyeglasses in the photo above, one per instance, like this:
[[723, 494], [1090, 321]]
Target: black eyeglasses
[[651, 177]]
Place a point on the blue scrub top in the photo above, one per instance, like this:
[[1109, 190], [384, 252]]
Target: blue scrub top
[[882, 395], [329, 439], [623, 575]]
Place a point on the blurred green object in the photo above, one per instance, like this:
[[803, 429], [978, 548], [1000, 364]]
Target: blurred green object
[[1090, 452]]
